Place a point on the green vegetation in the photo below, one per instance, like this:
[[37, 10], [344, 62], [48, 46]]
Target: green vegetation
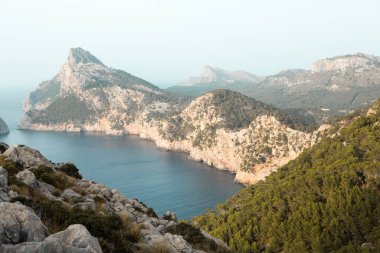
[[114, 233], [56, 179], [327, 200], [63, 110], [70, 170], [195, 237]]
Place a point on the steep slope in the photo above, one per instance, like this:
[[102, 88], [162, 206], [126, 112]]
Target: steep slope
[[326, 200], [38, 197], [222, 128], [3, 127], [215, 78]]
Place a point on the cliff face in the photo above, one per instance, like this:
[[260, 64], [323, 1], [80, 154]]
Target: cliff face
[[3, 127], [48, 207], [222, 128]]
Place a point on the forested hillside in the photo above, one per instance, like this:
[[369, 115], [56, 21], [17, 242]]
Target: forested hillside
[[327, 200]]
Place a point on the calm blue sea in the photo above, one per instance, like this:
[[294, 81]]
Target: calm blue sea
[[161, 179]]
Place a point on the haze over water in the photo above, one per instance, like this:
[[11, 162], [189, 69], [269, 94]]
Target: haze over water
[[162, 180]]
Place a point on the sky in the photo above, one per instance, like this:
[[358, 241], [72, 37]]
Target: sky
[[166, 41]]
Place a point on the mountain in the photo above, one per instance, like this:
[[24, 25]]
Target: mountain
[[326, 200], [86, 95], [335, 85], [214, 78], [3, 127], [48, 207], [222, 128], [211, 75]]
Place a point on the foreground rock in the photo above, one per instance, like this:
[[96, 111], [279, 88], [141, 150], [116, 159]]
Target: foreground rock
[[38, 196]]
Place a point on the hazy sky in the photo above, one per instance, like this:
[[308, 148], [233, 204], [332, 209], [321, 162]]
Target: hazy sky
[[165, 41]]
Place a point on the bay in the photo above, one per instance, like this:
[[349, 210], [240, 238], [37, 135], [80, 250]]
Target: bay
[[161, 179]]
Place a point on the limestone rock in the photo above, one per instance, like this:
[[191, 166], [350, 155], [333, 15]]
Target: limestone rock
[[3, 177], [78, 237], [28, 157], [20, 224], [75, 239], [71, 196], [27, 177]]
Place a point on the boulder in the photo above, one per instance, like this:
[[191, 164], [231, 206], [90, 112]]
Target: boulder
[[75, 239], [3, 177], [28, 157], [78, 236], [71, 196], [3, 147], [27, 177], [170, 216], [20, 224]]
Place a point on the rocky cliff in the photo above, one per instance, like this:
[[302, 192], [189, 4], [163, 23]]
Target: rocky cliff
[[48, 207], [222, 128], [3, 127]]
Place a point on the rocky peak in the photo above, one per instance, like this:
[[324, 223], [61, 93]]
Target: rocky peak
[[209, 74], [360, 62], [215, 74], [79, 55]]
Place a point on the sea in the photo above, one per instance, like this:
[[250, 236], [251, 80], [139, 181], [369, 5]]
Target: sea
[[163, 180]]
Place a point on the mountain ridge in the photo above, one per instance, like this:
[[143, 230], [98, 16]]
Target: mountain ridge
[[339, 84]]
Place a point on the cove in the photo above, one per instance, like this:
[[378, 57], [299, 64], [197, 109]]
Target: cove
[[161, 179]]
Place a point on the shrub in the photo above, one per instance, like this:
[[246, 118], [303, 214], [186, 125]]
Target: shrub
[[70, 170], [195, 237], [49, 176], [12, 167], [114, 233]]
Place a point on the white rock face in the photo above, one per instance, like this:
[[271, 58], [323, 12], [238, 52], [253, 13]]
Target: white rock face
[[356, 62]]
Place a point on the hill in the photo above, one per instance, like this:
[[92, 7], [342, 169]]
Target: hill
[[326, 200]]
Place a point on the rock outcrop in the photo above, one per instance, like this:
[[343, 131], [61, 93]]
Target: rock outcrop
[[3, 127], [222, 128], [38, 196]]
